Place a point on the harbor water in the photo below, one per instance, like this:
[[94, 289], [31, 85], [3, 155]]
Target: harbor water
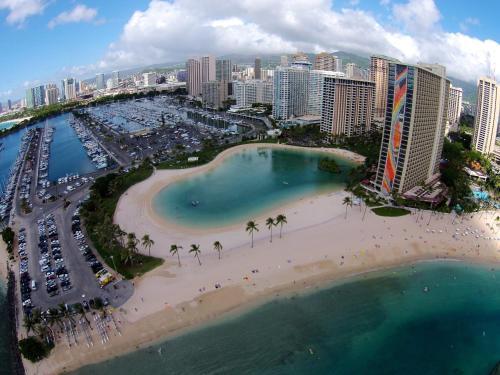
[[431, 318]]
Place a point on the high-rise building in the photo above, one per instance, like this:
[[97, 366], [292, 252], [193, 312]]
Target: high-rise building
[[250, 92], [379, 67], [100, 84], [284, 61], [355, 72], [290, 91], [39, 95], [149, 79], [214, 93], [1, 108], [347, 107], [257, 68], [487, 115], [208, 69], [325, 61], [223, 70], [413, 134], [51, 94], [193, 77], [454, 109], [69, 86], [9, 104], [30, 98], [300, 56], [315, 90], [115, 77]]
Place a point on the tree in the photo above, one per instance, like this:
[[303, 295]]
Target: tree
[[281, 219], [131, 249], [8, 237], [195, 249], [348, 203], [147, 242], [174, 250], [251, 228], [218, 247], [33, 349], [270, 224]]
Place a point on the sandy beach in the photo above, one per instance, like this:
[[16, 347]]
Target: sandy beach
[[319, 244]]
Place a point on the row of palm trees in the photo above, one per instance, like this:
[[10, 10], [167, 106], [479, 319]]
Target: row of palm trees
[[252, 226], [195, 250]]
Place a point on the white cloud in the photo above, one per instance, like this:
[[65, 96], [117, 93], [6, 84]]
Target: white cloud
[[173, 30], [20, 10], [80, 13], [469, 21], [5, 93]]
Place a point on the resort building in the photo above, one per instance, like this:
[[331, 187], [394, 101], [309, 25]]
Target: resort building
[[284, 60], [325, 61], [347, 107], [379, 69], [413, 134], [487, 115], [223, 70], [454, 109], [257, 68], [51, 94], [30, 98], [250, 92], [315, 91], [193, 77], [214, 93], [115, 77], [69, 88], [290, 89], [355, 72]]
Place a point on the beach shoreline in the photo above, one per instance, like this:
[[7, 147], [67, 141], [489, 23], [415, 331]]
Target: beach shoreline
[[324, 242]]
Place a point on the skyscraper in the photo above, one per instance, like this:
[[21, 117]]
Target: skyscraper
[[454, 108], [257, 68], [9, 104], [347, 106], [284, 60], [250, 92], [30, 98], [223, 70], [115, 76], [149, 79], [69, 89], [51, 94], [379, 67], [208, 69], [325, 61], [39, 95], [315, 90], [193, 79], [290, 91], [214, 93], [99, 81], [487, 115], [413, 134]]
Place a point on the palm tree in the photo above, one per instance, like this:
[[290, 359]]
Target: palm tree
[[196, 250], [252, 226], [174, 250], [348, 202], [218, 247], [147, 242], [281, 219], [29, 323], [270, 224], [131, 249]]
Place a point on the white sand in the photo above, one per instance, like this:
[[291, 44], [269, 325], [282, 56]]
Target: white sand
[[318, 245]]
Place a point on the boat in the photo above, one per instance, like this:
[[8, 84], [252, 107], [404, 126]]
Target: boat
[[195, 203]]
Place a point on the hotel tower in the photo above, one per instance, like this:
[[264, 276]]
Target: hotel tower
[[487, 114], [415, 120]]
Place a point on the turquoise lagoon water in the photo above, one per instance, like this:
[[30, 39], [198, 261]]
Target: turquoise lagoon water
[[246, 184], [7, 125], [380, 323]]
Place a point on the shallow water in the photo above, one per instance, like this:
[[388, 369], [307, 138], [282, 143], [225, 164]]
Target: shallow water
[[246, 184], [380, 323]]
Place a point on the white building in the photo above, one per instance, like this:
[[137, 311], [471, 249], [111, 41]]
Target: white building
[[115, 76], [487, 114], [247, 93], [290, 91], [70, 89], [99, 81], [315, 91], [51, 94], [454, 109], [149, 79]]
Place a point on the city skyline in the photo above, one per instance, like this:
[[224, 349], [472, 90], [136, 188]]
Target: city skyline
[[108, 37]]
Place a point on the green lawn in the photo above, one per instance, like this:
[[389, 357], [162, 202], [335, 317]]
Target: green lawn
[[390, 211]]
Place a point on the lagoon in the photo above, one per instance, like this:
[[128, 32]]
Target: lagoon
[[246, 184]]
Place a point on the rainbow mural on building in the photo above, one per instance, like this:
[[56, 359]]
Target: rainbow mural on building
[[398, 113]]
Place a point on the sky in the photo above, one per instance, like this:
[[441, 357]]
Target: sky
[[43, 41]]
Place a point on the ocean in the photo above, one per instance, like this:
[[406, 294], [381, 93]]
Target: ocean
[[429, 318]]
